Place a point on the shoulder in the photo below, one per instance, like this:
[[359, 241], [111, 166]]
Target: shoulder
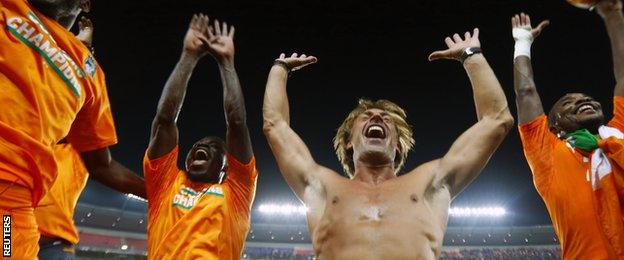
[[425, 170]]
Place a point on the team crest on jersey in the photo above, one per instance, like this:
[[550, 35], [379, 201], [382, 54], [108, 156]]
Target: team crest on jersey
[[90, 65], [186, 198]]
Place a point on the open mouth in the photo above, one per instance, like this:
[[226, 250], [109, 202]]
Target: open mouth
[[375, 131], [200, 156], [585, 108]]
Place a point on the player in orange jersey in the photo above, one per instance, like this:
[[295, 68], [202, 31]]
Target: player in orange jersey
[[56, 209], [56, 91], [203, 211], [573, 152]]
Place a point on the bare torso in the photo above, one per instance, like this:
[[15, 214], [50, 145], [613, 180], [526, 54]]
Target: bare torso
[[401, 218]]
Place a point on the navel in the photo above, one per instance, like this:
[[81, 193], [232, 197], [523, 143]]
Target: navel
[[414, 198]]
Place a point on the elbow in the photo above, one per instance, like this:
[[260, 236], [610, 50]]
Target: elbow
[[236, 119], [505, 122], [163, 120], [502, 122], [268, 126], [526, 90]]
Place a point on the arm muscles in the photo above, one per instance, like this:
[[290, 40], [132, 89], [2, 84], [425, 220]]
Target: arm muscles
[[615, 27], [527, 99], [472, 150], [238, 140], [292, 155], [111, 173], [164, 134]]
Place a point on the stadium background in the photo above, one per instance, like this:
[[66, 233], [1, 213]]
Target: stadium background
[[374, 50]]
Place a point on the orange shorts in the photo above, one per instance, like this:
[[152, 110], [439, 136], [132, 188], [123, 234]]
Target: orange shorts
[[16, 202]]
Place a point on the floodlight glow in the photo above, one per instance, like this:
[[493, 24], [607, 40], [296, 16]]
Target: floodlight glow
[[135, 197], [284, 209], [477, 212], [124, 247]]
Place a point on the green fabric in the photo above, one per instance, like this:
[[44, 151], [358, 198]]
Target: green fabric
[[582, 139]]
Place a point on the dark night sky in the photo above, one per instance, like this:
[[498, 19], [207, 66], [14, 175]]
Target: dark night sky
[[365, 50]]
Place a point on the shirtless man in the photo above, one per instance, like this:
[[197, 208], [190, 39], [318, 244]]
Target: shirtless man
[[376, 214]]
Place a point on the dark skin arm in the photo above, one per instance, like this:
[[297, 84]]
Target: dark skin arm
[[527, 99], [103, 168], [164, 133], [221, 47], [611, 13]]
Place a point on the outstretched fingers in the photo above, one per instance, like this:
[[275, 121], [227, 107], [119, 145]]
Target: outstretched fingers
[[231, 34], [217, 27], [543, 25], [436, 55]]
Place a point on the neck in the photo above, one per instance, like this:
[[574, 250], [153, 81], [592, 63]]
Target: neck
[[374, 173], [59, 12]]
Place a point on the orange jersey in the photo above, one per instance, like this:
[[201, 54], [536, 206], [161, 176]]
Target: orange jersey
[[56, 210], [562, 178], [189, 220], [51, 88]]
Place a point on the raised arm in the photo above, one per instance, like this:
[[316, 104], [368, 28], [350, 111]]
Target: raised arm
[[292, 155], [611, 13], [103, 168], [221, 46], [527, 99], [164, 134], [471, 151]]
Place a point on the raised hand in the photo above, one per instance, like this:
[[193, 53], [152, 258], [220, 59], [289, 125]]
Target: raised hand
[[221, 41], [522, 29], [608, 7], [85, 35], [295, 62], [456, 46], [196, 38]]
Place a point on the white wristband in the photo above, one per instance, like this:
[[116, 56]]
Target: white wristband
[[522, 48]]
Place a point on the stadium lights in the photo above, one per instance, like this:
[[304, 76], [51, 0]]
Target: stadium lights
[[135, 197], [477, 212], [124, 247], [284, 209]]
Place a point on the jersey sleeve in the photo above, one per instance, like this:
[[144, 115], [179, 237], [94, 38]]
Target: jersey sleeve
[[160, 173], [94, 127], [618, 113], [241, 181], [538, 144]]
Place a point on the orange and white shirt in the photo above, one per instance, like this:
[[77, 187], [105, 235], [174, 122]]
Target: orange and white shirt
[[56, 210], [51, 88], [192, 220], [561, 175]]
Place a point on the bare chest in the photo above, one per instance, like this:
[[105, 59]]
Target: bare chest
[[392, 216]]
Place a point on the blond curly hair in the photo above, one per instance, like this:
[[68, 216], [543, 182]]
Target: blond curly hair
[[399, 117]]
